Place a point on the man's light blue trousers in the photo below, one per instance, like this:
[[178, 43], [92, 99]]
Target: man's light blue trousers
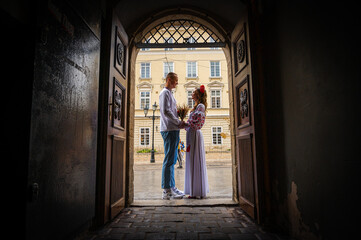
[[171, 141]]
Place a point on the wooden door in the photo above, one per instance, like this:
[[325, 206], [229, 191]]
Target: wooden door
[[111, 173], [244, 116], [63, 136]]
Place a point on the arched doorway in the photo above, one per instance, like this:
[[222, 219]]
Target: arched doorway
[[195, 53], [148, 36], [247, 183]]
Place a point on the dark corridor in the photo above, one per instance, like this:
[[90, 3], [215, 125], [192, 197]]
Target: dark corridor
[[305, 59]]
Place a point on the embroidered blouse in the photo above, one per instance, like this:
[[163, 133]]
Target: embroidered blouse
[[197, 118]]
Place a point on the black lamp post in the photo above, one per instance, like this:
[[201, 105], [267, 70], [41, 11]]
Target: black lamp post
[[152, 160]]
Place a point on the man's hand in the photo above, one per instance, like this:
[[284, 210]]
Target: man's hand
[[182, 125]]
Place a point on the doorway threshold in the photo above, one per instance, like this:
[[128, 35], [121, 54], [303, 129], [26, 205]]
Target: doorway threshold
[[185, 202]]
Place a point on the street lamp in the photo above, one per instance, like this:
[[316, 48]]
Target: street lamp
[[152, 160]]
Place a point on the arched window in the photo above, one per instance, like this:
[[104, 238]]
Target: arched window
[[183, 34]]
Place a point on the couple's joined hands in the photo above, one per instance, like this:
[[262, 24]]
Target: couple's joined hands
[[183, 124]]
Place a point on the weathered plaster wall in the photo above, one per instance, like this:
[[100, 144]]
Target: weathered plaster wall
[[227, 51], [312, 75], [131, 113]]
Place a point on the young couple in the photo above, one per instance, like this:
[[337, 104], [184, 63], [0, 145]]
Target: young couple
[[196, 180]]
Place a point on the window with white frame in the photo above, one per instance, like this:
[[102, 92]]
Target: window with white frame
[[215, 98], [145, 70], [190, 101], [191, 69], [144, 136], [215, 68], [216, 135], [144, 99], [168, 40], [168, 67], [191, 40]]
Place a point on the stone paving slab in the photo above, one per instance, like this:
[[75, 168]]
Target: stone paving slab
[[192, 222]]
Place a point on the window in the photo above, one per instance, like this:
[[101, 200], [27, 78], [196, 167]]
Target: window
[[191, 40], [168, 67], [145, 70], [146, 49], [215, 69], [190, 101], [211, 40], [168, 40], [216, 135], [144, 136], [191, 69], [144, 99], [216, 98]]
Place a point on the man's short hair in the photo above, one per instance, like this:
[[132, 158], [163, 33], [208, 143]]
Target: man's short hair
[[171, 75]]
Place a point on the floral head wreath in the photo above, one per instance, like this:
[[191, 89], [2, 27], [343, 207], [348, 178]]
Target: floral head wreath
[[201, 89]]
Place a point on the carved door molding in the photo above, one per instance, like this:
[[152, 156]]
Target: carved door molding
[[240, 48], [118, 111], [243, 103]]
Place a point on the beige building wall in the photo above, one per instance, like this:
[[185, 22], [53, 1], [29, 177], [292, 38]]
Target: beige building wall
[[154, 83]]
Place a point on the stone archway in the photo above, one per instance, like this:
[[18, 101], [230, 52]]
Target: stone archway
[[133, 51]]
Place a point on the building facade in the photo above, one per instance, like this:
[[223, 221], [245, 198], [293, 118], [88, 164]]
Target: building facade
[[194, 67]]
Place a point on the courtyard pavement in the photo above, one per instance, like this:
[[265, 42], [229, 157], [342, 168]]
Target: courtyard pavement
[[147, 176]]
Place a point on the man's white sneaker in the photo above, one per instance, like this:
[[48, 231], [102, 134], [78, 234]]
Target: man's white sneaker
[[171, 194], [179, 192], [175, 195], [166, 194]]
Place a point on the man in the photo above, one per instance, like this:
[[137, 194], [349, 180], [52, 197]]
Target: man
[[169, 129]]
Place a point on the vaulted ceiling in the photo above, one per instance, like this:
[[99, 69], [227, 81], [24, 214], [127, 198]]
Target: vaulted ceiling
[[132, 13]]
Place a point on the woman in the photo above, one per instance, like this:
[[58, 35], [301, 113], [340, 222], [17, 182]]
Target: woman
[[196, 179]]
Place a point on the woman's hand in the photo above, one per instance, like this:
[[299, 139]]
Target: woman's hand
[[182, 125]]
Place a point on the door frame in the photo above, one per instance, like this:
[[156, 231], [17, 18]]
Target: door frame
[[258, 95]]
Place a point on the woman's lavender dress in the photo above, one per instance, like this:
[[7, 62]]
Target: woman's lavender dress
[[196, 179]]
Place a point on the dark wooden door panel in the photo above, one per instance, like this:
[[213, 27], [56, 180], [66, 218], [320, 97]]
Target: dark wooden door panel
[[245, 174], [61, 164], [117, 185]]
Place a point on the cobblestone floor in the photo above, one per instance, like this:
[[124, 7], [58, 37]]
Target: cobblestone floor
[[161, 222], [181, 219]]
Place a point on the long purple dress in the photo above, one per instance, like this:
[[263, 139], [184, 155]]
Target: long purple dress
[[196, 179]]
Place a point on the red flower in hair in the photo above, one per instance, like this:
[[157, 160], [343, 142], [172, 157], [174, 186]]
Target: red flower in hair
[[201, 89]]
